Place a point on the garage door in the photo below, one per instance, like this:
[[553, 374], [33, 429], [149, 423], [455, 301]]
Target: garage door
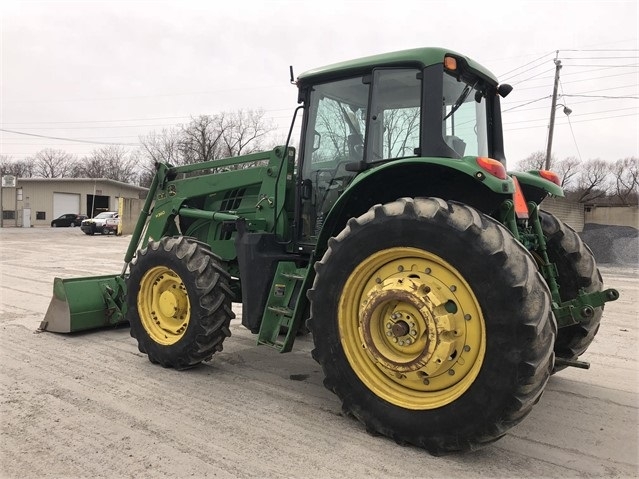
[[64, 203]]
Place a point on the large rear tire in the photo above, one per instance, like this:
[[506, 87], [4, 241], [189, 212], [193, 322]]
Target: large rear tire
[[432, 324], [577, 269], [178, 302]]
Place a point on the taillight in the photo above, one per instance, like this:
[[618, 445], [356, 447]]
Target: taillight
[[550, 176], [493, 167]]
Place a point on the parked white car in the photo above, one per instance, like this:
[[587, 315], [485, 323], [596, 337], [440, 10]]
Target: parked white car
[[99, 223]]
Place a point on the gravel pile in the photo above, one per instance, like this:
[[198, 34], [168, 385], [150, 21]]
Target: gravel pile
[[617, 245]]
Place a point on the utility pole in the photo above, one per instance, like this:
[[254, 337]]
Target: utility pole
[[552, 110]]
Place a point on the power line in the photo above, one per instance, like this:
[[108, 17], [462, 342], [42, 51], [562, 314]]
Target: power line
[[605, 96], [599, 58], [526, 64], [579, 121], [573, 81], [533, 101], [160, 95], [66, 139], [125, 119], [629, 65], [601, 50], [572, 132]]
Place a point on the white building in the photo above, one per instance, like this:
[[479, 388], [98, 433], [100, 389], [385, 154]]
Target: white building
[[37, 201]]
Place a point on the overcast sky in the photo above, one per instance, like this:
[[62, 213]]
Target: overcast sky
[[112, 71]]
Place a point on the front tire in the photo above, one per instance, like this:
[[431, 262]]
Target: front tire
[[432, 324], [178, 302], [577, 269]]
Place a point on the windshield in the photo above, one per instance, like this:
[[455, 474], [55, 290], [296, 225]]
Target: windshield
[[464, 118], [105, 215]]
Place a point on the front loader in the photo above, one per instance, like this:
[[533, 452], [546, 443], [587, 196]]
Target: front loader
[[439, 295]]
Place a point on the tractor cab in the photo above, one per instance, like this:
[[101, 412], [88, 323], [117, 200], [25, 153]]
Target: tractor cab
[[359, 115]]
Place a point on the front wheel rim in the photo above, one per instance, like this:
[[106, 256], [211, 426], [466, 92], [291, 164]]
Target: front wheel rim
[[411, 328], [163, 305]]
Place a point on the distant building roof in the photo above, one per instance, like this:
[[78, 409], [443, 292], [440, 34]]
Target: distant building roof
[[85, 180]]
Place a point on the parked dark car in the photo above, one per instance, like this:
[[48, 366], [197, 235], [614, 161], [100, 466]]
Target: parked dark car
[[97, 224], [70, 219]]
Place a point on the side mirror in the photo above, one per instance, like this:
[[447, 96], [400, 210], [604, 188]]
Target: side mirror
[[504, 89]]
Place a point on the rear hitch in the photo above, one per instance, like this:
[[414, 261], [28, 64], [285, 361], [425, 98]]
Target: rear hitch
[[582, 307], [572, 363]]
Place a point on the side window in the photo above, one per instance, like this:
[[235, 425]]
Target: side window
[[335, 138], [338, 116], [395, 114]]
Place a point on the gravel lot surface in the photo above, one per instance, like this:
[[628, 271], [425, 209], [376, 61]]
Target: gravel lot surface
[[90, 405]]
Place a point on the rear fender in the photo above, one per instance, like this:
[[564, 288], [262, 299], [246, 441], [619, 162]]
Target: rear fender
[[459, 180]]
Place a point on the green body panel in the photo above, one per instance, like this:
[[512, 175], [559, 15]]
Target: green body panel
[[532, 178], [255, 187], [467, 165], [418, 56], [79, 304]]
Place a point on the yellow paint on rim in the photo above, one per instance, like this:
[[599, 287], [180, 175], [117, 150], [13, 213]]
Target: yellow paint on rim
[[411, 328], [163, 305]]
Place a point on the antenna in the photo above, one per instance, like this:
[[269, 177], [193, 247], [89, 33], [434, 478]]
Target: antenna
[[292, 76]]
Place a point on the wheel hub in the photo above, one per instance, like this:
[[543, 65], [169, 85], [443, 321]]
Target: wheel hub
[[163, 305], [415, 337], [419, 334]]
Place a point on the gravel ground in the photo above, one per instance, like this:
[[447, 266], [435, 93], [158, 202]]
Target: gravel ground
[[614, 245], [90, 405]]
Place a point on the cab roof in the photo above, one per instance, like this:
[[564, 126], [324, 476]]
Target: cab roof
[[420, 57]]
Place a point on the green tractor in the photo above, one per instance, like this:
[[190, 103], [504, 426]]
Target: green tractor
[[439, 296]]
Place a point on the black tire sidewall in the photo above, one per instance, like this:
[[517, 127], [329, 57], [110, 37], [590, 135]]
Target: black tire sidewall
[[144, 263], [490, 398], [577, 269]]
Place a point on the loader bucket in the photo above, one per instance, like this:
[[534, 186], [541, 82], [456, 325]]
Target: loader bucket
[[80, 304]]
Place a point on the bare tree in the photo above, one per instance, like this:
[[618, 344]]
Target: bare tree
[[205, 138], [567, 169], [243, 131], [111, 162], [592, 181], [17, 168], [626, 180], [162, 147], [536, 161], [201, 139], [50, 163]]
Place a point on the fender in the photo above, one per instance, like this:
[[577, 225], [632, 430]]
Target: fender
[[461, 180]]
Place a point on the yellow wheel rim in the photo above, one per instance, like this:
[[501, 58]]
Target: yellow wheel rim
[[163, 305], [411, 328]]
